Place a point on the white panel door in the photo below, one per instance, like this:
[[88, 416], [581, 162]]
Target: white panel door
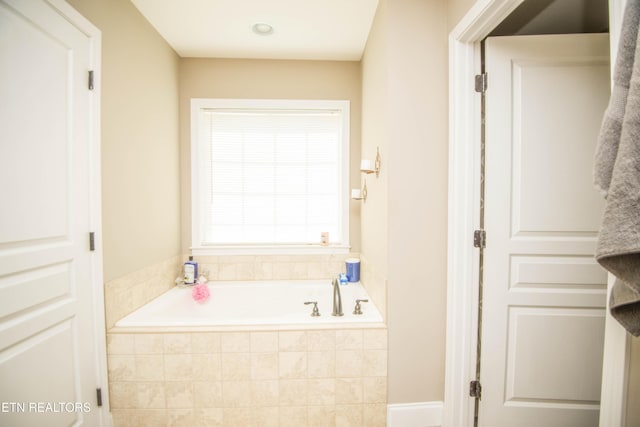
[[48, 358], [544, 294]]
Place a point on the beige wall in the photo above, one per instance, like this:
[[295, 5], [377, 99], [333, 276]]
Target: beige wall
[[374, 241], [238, 78], [456, 9], [418, 157], [140, 192], [405, 98]]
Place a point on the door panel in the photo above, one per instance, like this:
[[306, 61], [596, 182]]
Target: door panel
[[544, 294], [546, 143], [48, 350], [540, 340]]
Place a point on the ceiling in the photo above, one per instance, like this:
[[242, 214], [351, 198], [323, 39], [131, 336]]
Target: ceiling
[[302, 29]]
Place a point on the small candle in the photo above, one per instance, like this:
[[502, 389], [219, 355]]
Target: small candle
[[356, 193], [365, 166]]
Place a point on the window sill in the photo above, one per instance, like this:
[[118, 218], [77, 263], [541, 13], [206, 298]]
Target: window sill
[[271, 250]]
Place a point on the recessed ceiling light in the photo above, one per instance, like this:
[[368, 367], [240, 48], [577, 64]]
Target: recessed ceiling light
[[262, 29]]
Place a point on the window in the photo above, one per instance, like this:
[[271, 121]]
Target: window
[[269, 176]]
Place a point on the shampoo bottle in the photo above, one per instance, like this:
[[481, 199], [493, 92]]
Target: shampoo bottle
[[190, 271]]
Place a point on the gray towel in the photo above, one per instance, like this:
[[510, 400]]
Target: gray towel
[[617, 175]]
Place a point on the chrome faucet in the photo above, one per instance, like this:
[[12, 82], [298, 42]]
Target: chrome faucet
[[337, 302]]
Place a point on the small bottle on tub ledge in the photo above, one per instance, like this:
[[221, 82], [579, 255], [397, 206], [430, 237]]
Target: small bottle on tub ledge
[[190, 271]]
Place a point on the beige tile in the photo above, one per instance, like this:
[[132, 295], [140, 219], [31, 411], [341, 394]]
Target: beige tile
[[123, 395], [236, 394], [293, 392], [207, 394], [177, 343], [264, 342], [236, 366], [266, 417], [321, 340], [180, 417], [121, 367], [264, 366], [149, 344], [316, 270], [321, 392], [120, 344], [246, 271], [228, 271], [349, 390], [375, 389], [293, 416], [292, 341], [111, 313], [151, 417], [349, 416], [321, 364], [123, 417], [349, 339], [322, 416], [292, 364], [349, 363], [205, 342], [179, 394], [375, 339], [289, 270], [375, 415], [374, 363], [206, 367], [265, 393], [149, 367], [263, 271], [235, 342], [151, 395], [178, 367], [208, 417], [237, 417]]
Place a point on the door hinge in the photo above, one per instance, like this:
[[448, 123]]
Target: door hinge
[[481, 83], [479, 239], [99, 396], [475, 389], [90, 79], [92, 241]]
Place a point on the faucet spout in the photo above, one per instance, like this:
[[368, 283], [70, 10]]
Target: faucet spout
[[337, 299]]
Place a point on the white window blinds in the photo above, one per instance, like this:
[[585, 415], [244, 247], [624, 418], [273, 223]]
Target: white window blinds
[[270, 176]]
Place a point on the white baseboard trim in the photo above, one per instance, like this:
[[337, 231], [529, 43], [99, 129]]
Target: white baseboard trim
[[419, 414]]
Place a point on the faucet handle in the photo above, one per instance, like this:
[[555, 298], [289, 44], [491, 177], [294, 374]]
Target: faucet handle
[[358, 309], [315, 312]]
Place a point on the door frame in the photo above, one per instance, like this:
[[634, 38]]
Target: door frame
[[94, 36], [463, 202]]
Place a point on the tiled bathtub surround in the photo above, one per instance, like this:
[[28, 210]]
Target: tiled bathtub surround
[[127, 293], [375, 283], [249, 379], [272, 267], [132, 291]]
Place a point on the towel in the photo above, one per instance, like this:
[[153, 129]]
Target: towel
[[617, 176]]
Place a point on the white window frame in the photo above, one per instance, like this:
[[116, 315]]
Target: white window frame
[[198, 105]]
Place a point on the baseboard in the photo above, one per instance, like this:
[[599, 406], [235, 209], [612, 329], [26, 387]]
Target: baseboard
[[420, 414]]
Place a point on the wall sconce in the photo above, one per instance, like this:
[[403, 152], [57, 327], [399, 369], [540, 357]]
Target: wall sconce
[[366, 167], [360, 194]]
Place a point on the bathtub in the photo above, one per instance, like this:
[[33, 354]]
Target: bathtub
[[253, 305]]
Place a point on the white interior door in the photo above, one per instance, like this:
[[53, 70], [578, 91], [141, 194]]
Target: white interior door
[[544, 295], [49, 366]]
